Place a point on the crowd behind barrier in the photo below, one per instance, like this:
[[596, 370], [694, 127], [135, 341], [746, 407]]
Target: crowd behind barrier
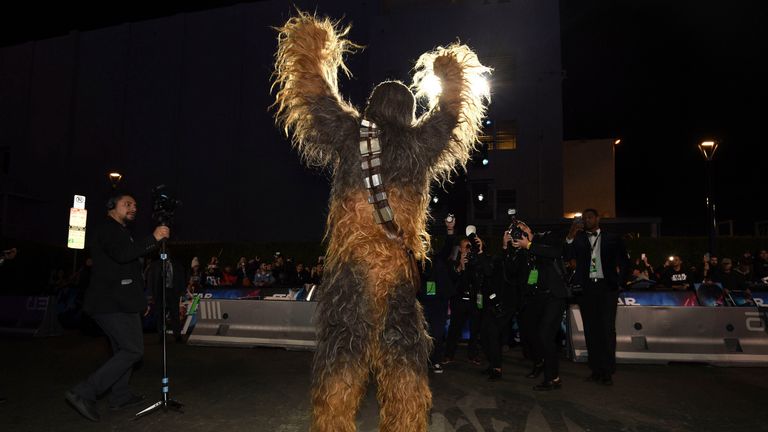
[[713, 281]]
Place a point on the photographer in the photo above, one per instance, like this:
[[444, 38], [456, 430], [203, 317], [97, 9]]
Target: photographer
[[437, 287], [501, 300], [115, 299], [544, 300], [472, 269]]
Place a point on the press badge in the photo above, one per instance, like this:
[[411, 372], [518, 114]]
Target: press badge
[[431, 289], [533, 277]]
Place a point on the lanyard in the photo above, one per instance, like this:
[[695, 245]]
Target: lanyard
[[593, 244]]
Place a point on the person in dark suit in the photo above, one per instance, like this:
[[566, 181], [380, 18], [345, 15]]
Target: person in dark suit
[[436, 291], [544, 301], [178, 276], [602, 265], [115, 299]]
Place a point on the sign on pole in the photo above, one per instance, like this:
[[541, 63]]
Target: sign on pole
[[78, 216]]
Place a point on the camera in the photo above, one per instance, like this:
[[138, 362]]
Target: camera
[[449, 218], [163, 205], [474, 246], [514, 230]]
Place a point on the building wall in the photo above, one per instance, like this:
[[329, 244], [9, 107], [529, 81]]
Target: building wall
[[521, 41], [183, 101], [589, 176]]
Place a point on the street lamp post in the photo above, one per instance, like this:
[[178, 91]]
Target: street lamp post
[[708, 149]]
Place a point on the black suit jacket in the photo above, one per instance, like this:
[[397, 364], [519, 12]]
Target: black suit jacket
[[613, 258], [117, 283], [547, 248]]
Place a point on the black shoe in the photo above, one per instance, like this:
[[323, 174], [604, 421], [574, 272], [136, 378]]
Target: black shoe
[[536, 371], [133, 400], [606, 380], [85, 407], [495, 375], [594, 377], [549, 385]]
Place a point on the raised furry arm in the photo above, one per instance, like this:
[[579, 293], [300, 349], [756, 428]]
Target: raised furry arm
[[448, 132], [308, 106]]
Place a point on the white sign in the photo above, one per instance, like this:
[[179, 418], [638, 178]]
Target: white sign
[[76, 238], [79, 202], [78, 217]]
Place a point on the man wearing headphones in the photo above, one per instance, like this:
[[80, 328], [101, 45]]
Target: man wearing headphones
[[115, 299]]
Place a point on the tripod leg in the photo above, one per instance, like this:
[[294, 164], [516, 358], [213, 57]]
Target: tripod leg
[[155, 406]]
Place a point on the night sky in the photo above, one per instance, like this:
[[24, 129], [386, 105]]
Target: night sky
[[660, 75]]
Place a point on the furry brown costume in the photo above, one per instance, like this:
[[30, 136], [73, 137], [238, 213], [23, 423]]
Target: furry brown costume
[[368, 318]]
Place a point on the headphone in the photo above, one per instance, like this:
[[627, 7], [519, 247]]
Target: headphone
[[112, 202]]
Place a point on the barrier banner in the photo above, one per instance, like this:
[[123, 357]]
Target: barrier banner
[[658, 298], [35, 316]]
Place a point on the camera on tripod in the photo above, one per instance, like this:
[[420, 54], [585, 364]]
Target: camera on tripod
[[163, 205]]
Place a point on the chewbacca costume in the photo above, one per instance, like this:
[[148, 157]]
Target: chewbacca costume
[[369, 321]]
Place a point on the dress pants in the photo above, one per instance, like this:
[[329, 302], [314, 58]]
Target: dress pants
[[492, 333], [436, 314], [461, 311], [540, 321], [125, 334], [598, 304]]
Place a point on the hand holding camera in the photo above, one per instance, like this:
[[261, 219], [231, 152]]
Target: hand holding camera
[[523, 239], [450, 223], [576, 226]]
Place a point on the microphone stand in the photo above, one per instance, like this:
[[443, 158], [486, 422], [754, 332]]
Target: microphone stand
[[165, 403]]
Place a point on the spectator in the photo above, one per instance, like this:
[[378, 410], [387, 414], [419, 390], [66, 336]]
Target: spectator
[[228, 276], [675, 277], [195, 278], [640, 278], [744, 266], [212, 272], [711, 268], [279, 269], [299, 276], [242, 272], [729, 279], [263, 276], [316, 274], [760, 273]]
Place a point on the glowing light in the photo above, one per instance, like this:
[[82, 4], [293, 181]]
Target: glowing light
[[485, 161], [671, 258], [479, 85], [488, 122], [617, 142], [435, 200], [708, 149], [480, 197], [431, 86]]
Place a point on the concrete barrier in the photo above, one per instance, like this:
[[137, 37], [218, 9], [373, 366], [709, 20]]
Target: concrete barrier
[[251, 323], [722, 336]]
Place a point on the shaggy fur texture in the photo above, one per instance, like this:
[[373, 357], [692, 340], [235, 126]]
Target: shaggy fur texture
[[369, 322]]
